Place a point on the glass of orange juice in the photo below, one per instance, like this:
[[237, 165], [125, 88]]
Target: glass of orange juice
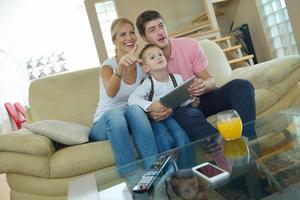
[[229, 124]]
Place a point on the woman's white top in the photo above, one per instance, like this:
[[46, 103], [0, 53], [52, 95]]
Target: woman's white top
[[141, 94], [121, 99]]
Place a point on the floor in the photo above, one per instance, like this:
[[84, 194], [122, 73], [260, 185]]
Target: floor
[[4, 189]]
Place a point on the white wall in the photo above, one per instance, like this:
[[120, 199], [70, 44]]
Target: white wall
[[246, 12], [35, 28], [40, 27], [177, 13]]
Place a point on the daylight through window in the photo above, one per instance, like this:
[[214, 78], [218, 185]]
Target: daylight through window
[[279, 27], [106, 12]]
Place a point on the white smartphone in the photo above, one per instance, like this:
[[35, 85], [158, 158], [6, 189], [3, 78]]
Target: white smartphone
[[211, 173]]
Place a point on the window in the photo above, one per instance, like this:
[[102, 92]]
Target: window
[[278, 27], [106, 12]]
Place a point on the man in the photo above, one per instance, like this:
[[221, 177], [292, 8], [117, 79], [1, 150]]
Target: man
[[186, 57]]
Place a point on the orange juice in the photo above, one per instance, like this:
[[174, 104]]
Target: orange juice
[[235, 149], [230, 129]]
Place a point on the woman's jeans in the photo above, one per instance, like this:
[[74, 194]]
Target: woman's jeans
[[115, 125], [237, 94], [168, 135]]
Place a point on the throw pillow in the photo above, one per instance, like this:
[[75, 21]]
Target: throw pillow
[[61, 131]]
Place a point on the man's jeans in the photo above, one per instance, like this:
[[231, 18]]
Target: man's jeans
[[115, 125], [237, 94]]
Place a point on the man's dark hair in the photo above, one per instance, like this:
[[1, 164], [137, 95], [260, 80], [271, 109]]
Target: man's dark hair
[[145, 17]]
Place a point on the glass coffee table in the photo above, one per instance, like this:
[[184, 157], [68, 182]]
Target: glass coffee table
[[265, 168]]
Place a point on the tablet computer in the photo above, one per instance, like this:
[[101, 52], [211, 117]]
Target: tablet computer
[[177, 96]]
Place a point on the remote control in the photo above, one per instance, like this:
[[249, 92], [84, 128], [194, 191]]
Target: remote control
[[151, 174]]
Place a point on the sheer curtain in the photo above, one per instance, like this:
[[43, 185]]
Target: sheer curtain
[[13, 83]]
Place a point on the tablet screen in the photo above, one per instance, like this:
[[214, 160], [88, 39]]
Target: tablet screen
[[178, 95]]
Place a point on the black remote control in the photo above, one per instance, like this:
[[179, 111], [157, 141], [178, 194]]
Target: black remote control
[[151, 174]]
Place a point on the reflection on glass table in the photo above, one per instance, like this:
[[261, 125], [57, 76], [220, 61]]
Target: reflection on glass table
[[260, 168], [185, 184]]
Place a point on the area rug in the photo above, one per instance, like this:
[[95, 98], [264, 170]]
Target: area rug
[[285, 166]]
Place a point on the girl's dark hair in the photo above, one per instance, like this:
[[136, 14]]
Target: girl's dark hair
[[145, 17]]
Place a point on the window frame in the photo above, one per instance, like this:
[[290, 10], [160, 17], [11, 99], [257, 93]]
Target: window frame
[[288, 49], [106, 33]]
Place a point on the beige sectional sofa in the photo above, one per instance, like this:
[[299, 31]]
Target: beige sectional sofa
[[36, 171]]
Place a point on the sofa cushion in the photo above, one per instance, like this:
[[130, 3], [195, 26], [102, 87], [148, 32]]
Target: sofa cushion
[[25, 142], [71, 96], [264, 99], [217, 62], [11, 162], [37, 188], [81, 159], [61, 131]]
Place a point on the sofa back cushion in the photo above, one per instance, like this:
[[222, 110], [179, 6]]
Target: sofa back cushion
[[217, 62], [71, 97]]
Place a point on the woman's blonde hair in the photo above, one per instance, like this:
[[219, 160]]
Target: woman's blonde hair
[[116, 24]]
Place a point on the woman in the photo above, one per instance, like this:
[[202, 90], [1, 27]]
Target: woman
[[114, 120]]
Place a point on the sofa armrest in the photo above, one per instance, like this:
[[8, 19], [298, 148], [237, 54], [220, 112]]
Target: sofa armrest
[[268, 73], [26, 142], [275, 83]]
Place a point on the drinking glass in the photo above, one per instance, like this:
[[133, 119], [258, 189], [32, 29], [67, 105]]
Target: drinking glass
[[229, 124]]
